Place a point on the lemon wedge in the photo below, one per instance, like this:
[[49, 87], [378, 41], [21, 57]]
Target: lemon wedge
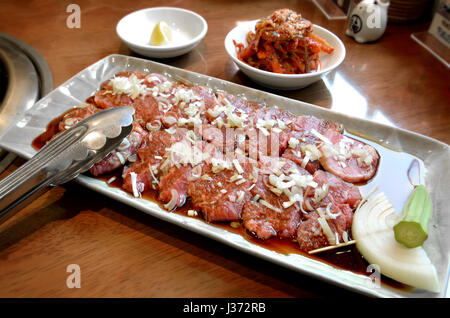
[[162, 34]]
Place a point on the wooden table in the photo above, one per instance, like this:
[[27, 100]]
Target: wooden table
[[125, 253]]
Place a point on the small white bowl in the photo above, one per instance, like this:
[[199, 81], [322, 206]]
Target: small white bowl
[[135, 30], [285, 81]]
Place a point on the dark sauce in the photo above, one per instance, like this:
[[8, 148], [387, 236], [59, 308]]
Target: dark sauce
[[393, 177], [346, 258], [53, 128], [46, 136]]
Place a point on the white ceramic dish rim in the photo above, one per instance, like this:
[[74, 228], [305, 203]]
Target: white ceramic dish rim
[[161, 49], [84, 84], [278, 75]]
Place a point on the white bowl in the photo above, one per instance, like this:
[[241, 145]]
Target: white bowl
[[135, 30], [285, 81]]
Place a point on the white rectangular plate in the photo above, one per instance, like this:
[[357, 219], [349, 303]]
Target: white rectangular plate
[[434, 154]]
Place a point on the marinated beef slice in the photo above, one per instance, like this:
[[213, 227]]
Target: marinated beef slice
[[280, 174]]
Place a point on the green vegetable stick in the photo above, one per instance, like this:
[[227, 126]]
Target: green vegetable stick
[[412, 230]]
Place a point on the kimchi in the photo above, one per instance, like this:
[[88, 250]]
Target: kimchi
[[283, 42]]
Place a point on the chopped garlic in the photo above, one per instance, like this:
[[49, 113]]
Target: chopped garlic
[[235, 225], [238, 166], [293, 142], [240, 197], [219, 165], [294, 198], [131, 86], [192, 213], [281, 124], [311, 151], [165, 87], [303, 181], [256, 198], [185, 96], [111, 180], [206, 177], [305, 161], [216, 111], [277, 191], [151, 168], [364, 156], [321, 192], [191, 121], [320, 136], [183, 153], [233, 119], [235, 177], [279, 182], [132, 158], [218, 122], [264, 131], [270, 206]]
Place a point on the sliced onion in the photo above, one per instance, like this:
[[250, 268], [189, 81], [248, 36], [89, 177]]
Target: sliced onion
[[125, 144], [154, 125], [165, 96], [301, 206], [173, 201], [299, 191], [195, 174], [238, 166], [305, 161], [327, 230], [308, 204], [155, 180], [321, 192], [270, 206], [152, 78], [134, 186], [182, 198], [164, 105], [120, 157], [241, 195], [266, 182], [132, 158], [172, 130], [321, 137], [170, 121], [375, 240], [331, 215], [345, 237], [70, 121], [164, 167]]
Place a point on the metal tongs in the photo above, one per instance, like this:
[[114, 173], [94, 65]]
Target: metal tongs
[[66, 156]]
